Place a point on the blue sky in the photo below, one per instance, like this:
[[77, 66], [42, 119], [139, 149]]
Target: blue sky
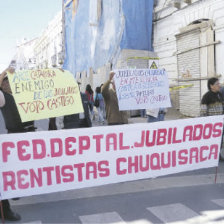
[[23, 19]]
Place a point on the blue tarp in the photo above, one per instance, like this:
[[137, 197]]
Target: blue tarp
[[76, 38], [138, 24], [123, 24]]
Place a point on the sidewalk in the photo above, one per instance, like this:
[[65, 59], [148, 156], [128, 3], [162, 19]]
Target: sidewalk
[[172, 114]]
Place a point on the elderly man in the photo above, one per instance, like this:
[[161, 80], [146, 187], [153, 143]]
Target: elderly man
[[113, 115]]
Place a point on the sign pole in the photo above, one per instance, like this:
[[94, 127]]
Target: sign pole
[[216, 171]]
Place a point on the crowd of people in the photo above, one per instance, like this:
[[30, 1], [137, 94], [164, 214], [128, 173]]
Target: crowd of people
[[105, 102]]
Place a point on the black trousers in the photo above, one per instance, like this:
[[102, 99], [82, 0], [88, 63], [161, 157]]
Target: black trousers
[[5, 206]]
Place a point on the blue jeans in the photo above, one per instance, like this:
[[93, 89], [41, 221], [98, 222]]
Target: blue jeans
[[155, 119], [142, 112]]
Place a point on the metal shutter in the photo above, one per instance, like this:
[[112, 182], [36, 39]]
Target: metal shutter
[[189, 98]]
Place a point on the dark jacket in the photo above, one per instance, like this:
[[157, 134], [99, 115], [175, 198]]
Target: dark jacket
[[73, 121], [12, 118], [212, 104], [113, 115]]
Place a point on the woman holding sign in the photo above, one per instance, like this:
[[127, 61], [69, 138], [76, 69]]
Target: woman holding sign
[[99, 104]]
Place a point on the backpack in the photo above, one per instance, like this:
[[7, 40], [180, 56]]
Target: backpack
[[97, 101]]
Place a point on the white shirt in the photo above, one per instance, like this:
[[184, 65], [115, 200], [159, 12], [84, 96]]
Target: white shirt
[[2, 99]]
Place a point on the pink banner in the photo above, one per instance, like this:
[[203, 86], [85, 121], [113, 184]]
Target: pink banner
[[44, 162]]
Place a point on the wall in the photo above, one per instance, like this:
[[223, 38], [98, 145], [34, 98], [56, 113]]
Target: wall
[[168, 21], [24, 57], [48, 47]]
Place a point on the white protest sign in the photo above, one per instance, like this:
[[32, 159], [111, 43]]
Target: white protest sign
[[45, 162], [142, 89]]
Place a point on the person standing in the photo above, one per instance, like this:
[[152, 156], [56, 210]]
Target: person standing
[[52, 124], [212, 102], [9, 109], [113, 115], [103, 106], [89, 93], [80, 120], [100, 104], [154, 115], [13, 124], [143, 112]]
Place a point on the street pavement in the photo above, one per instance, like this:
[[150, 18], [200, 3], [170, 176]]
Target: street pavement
[[184, 198], [194, 197]]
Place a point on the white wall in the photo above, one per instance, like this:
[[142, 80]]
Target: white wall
[[49, 43], [167, 22]]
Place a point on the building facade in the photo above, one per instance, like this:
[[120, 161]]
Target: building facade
[[100, 35], [49, 48], [24, 57], [45, 51], [188, 38]]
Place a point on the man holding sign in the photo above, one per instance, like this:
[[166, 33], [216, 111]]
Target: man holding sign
[[113, 115], [13, 124]]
